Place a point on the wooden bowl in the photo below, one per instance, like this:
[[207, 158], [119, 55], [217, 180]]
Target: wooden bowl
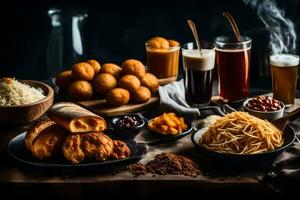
[[26, 113]]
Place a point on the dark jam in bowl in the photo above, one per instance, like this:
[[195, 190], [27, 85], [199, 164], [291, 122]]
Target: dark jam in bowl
[[128, 122]]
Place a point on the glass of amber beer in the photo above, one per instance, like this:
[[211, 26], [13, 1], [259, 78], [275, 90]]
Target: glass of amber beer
[[284, 69], [233, 65]]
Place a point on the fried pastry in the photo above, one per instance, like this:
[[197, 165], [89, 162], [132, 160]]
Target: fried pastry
[[129, 82], [120, 150], [95, 64], [48, 142], [35, 130], [96, 145], [117, 97], [134, 67], [158, 43], [142, 95], [64, 79], [80, 90], [72, 150], [83, 71], [104, 82], [151, 82], [112, 69], [75, 118]]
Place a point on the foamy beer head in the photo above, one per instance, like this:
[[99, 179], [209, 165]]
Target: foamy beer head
[[194, 60], [284, 60]]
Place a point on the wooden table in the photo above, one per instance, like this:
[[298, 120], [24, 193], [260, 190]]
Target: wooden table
[[18, 180]]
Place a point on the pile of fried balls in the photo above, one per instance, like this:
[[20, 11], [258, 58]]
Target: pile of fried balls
[[120, 85]]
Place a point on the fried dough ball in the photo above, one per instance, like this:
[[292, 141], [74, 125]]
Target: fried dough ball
[[72, 150], [129, 82], [83, 71], [112, 69], [142, 95], [80, 90], [120, 150], [96, 145], [117, 97], [158, 43], [64, 79], [173, 43], [150, 81], [95, 64], [134, 67], [104, 82], [48, 142]]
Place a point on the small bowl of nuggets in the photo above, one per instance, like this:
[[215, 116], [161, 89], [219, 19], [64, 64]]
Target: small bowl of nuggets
[[168, 125], [119, 85]]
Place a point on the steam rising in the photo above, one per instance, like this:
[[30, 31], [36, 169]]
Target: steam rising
[[282, 30]]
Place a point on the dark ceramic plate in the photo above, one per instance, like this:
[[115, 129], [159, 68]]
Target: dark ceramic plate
[[238, 159], [18, 151]]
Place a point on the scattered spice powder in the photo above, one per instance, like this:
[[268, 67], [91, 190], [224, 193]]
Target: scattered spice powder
[[166, 163]]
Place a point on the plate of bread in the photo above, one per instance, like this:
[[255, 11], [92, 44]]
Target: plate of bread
[[72, 137]]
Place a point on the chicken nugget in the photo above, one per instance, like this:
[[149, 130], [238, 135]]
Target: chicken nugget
[[72, 150], [129, 82], [80, 90], [120, 150], [96, 145], [48, 142], [112, 69], [64, 79], [104, 82], [83, 71], [95, 64], [134, 67], [158, 43], [151, 82], [142, 95], [117, 97]]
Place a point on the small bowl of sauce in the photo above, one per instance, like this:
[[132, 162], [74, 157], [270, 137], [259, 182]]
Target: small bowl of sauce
[[128, 125]]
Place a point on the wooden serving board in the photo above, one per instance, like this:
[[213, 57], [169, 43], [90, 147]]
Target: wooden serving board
[[100, 107]]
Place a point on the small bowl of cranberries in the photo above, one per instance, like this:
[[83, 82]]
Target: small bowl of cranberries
[[128, 126], [264, 107]]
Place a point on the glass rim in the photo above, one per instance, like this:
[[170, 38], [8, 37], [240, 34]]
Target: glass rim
[[183, 47], [246, 40]]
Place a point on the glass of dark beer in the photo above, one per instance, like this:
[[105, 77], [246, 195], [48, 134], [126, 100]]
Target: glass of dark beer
[[198, 73], [233, 65], [284, 77]]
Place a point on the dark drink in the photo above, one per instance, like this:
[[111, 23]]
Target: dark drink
[[198, 75], [233, 64]]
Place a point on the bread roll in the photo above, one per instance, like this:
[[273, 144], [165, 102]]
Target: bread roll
[[75, 118]]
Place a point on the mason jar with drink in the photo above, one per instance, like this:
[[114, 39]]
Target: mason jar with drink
[[233, 65]]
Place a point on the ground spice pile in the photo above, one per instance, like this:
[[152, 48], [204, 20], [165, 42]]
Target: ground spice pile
[[167, 163]]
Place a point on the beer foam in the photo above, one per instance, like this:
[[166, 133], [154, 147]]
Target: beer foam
[[206, 59], [284, 60]]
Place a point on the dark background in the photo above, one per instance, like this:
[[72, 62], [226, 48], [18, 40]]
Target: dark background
[[117, 30]]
